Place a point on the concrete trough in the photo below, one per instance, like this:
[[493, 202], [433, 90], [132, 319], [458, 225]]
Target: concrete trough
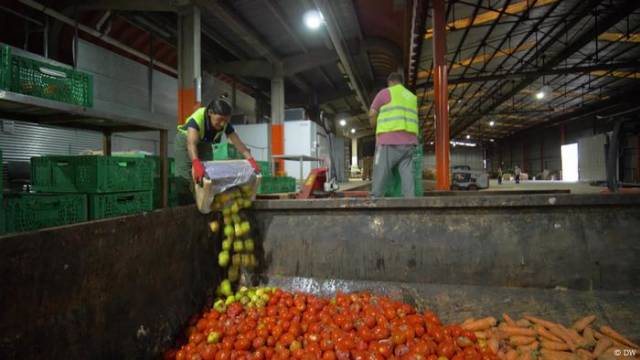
[[126, 287]]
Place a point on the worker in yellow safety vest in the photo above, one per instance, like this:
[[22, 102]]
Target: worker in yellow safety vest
[[394, 115], [194, 141]]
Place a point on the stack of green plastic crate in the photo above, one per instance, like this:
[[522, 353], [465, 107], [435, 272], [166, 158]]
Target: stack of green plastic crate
[[265, 166], [37, 78], [173, 195], [31, 211], [277, 184], [394, 186], [114, 186], [2, 212], [5, 66], [226, 151]]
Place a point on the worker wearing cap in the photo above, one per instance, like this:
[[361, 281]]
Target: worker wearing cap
[[394, 115], [193, 145]]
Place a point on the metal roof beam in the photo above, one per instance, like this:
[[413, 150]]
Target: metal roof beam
[[584, 38], [345, 57], [629, 65], [248, 35]]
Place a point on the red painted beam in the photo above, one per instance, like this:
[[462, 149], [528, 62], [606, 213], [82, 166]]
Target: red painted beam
[[441, 96]]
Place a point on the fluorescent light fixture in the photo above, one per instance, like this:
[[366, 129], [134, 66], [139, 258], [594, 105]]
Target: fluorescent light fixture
[[353, 131], [343, 122], [462, 143], [540, 95], [492, 123], [313, 19]]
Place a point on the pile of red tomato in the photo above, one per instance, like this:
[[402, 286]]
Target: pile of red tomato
[[350, 326]]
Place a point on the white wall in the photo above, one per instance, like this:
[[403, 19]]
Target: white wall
[[257, 138]]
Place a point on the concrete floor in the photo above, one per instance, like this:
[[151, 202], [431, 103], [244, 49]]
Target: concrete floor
[[528, 185]]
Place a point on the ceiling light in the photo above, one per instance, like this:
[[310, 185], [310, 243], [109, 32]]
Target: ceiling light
[[343, 122], [313, 19], [353, 131], [492, 123], [491, 140], [540, 95], [468, 136]]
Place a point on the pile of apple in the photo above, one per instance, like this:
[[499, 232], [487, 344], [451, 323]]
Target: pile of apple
[[237, 247]]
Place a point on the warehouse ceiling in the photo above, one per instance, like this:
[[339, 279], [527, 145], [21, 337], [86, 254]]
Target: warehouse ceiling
[[515, 64], [583, 55]]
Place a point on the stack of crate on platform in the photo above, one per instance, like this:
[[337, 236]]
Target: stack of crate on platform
[[107, 186]]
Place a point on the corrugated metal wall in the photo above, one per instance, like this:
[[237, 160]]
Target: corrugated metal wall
[[459, 155], [27, 140]]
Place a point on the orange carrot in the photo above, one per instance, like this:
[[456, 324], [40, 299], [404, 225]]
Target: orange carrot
[[508, 319], [607, 330], [587, 334], [481, 324], [580, 324], [480, 334], [598, 335], [523, 323], [516, 330], [577, 339], [525, 355], [530, 347], [545, 323], [543, 332], [493, 345], [584, 354], [556, 355], [602, 345], [521, 340], [559, 332], [466, 321], [511, 355], [502, 355], [552, 345]]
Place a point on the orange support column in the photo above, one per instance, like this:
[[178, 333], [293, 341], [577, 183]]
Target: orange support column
[[441, 96], [277, 147], [189, 68]]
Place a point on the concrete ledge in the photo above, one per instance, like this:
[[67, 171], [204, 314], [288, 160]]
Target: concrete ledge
[[573, 241], [480, 200]]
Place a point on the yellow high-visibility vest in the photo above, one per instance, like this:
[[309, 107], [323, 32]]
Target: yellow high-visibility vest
[[400, 114], [200, 118]]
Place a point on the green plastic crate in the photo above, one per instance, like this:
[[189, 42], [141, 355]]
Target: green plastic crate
[[37, 78], [5, 66], [53, 174], [277, 184], [107, 174], [31, 211], [173, 194], [265, 166], [226, 151], [156, 165], [394, 187], [118, 204]]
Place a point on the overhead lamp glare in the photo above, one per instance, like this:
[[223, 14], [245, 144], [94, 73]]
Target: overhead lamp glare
[[313, 19], [540, 95], [492, 123], [343, 122], [353, 131]]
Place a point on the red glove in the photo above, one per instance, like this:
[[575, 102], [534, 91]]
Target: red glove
[[254, 165], [197, 170]]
